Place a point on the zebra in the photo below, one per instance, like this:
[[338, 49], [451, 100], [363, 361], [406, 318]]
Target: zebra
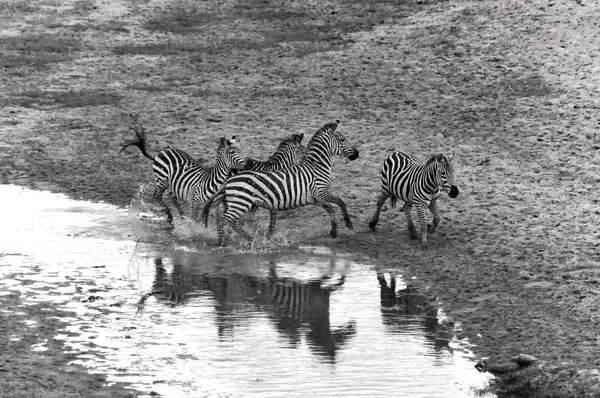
[[406, 177], [304, 184], [289, 153], [185, 178]]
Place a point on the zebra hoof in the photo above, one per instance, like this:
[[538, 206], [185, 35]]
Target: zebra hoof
[[412, 232], [349, 225], [372, 225], [333, 233]]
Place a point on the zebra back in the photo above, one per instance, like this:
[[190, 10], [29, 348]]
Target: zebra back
[[188, 179], [297, 186], [289, 153], [409, 178]]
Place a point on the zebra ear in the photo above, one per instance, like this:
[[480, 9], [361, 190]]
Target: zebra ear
[[223, 141], [450, 157], [298, 137], [232, 141], [334, 126]]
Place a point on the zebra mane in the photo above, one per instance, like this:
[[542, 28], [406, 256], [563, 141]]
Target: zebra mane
[[326, 129], [439, 158], [293, 138]]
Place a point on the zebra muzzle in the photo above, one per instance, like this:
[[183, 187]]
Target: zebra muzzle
[[354, 155], [453, 191]]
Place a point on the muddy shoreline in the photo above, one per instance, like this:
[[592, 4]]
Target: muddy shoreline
[[509, 87]]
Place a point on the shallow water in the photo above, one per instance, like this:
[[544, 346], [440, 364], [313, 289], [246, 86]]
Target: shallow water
[[189, 320]]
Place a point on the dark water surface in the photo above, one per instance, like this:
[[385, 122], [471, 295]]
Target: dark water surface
[[202, 321]]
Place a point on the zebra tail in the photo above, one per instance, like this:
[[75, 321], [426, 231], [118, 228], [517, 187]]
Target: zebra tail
[[139, 141], [206, 209]]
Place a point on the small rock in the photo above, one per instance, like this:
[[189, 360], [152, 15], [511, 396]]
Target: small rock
[[524, 359], [485, 365]]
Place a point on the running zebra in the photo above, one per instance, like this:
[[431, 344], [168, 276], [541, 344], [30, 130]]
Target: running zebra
[[307, 183], [406, 177], [289, 153], [186, 179]]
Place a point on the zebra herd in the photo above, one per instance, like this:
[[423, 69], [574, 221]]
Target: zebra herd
[[293, 176]]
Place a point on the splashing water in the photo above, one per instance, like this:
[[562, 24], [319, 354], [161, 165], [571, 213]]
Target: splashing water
[[149, 224]]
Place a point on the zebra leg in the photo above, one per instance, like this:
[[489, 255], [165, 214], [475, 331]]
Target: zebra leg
[[329, 197], [221, 229], [411, 226], [272, 221], [232, 219], [383, 196], [436, 216], [237, 227], [331, 210], [158, 196], [194, 208], [177, 205], [422, 223]]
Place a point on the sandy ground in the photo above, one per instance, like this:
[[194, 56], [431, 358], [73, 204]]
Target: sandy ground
[[509, 86]]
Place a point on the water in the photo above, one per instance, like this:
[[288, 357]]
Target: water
[[185, 319]]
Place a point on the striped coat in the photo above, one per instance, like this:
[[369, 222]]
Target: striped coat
[[187, 180], [307, 183], [418, 183]]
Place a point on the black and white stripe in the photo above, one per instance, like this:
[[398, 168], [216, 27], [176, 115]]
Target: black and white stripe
[[307, 183], [289, 153], [186, 179], [418, 183]]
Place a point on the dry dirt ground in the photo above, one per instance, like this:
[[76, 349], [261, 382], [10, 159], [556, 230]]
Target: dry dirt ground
[[510, 86]]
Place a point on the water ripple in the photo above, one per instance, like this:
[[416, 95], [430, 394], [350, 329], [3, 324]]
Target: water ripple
[[191, 320]]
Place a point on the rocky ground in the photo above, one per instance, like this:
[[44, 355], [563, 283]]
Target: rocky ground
[[510, 86]]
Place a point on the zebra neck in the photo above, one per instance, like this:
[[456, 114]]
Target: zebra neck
[[276, 158], [319, 152], [270, 163], [431, 180], [318, 160], [218, 172]]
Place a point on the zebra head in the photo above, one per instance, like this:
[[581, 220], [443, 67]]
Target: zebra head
[[295, 148], [290, 151], [446, 174], [228, 154], [339, 144]]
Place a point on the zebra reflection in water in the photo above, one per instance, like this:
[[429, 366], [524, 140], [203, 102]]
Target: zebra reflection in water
[[400, 308], [295, 307]]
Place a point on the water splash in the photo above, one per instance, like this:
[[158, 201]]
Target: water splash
[[144, 217], [149, 224]]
